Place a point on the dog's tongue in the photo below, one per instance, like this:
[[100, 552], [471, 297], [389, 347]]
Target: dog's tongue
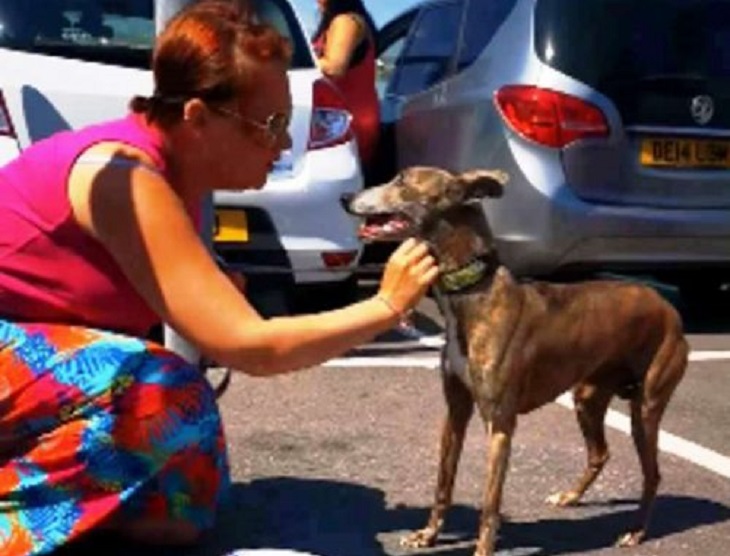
[[382, 225]]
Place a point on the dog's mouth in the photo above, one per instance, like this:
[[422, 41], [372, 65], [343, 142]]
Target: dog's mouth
[[381, 227]]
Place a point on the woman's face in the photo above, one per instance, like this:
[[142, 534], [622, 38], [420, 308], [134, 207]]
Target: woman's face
[[253, 132]]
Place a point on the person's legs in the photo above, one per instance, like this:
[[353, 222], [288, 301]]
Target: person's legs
[[101, 429]]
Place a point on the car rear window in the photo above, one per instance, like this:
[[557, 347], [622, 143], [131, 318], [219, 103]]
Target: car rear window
[[595, 40], [118, 32], [635, 51]]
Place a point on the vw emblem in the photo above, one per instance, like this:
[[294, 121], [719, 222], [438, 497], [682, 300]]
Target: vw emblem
[[702, 108]]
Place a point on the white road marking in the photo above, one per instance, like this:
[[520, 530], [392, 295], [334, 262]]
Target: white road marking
[[432, 362], [399, 362], [669, 443], [709, 355]]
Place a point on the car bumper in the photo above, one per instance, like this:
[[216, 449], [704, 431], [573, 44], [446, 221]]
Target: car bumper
[[544, 229], [305, 219]]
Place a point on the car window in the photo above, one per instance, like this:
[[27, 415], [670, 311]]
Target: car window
[[280, 15], [482, 19], [113, 31], [629, 40], [386, 64], [429, 49], [117, 32], [390, 42]]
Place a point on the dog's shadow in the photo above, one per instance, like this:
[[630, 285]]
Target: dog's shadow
[[577, 535], [330, 518]]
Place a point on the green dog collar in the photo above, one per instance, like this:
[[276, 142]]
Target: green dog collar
[[468, 275]]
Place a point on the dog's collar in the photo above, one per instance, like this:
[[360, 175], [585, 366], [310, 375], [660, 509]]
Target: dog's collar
[[470, 274]]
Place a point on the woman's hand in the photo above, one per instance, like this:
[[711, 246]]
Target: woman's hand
[[410, 270]]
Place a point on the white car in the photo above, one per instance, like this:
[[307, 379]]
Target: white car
[[69, 63]]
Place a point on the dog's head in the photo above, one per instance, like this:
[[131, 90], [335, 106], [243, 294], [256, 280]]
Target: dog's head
[[417, 196]]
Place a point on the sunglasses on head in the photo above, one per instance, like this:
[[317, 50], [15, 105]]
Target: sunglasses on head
[[275, 125]]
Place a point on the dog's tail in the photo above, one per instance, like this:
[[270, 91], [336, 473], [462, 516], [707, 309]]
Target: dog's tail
[[668, 365], [671, 360]]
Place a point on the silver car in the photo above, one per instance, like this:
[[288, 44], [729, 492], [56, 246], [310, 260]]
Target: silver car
[[612, 118]]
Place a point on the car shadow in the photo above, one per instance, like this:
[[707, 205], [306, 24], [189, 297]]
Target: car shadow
[[43, 119], [711, 317], [708, 313], [332, 518]]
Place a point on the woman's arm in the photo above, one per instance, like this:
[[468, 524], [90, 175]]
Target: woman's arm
[[343, 35], [138, 217]]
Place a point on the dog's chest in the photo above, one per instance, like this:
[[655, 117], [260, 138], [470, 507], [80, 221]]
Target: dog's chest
[[479, 330], [454, 354]]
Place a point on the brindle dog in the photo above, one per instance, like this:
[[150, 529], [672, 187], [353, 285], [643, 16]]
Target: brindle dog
[[512, 347]]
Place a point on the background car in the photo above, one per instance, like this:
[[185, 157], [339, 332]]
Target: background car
[[610, 116], [68, 63]]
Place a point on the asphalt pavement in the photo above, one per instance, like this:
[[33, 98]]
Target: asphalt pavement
[[340, 460]]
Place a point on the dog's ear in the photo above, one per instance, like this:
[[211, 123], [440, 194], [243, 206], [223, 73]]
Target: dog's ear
[[483, 183]]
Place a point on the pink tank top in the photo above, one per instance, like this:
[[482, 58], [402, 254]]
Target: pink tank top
[[50, 269]]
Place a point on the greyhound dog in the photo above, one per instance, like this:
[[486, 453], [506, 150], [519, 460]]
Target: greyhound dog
[[512, 347]]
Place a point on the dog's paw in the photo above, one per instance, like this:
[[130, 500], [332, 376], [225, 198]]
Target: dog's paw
[[423, 538], [563, 499], [632, 538]]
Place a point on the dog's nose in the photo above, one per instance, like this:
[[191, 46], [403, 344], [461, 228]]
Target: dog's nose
[[346, 199]]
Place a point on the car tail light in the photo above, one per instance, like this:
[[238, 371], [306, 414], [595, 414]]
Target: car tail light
[[6, 124], [338, 259], [330, 117], [548, 117]]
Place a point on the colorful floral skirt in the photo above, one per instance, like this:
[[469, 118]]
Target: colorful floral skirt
[[95, 424]]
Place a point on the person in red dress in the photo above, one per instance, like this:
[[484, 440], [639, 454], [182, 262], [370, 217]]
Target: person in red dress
[[345, 45]]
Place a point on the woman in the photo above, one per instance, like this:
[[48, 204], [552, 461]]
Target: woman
[[345, 44], [98, 427]]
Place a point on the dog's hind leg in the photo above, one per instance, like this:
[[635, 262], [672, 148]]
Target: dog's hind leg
[[460, 407], [647, 409], [591, 403]]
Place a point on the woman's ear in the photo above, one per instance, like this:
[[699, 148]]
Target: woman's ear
[[483, 183], [195, 112]]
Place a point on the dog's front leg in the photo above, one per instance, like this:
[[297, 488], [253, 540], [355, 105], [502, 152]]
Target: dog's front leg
[[500, 444], [460, 406]]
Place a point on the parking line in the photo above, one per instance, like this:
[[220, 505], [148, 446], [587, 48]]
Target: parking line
[[669, 443], [433, 362], [709, 355]]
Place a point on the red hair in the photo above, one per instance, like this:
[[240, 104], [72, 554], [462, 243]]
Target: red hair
[[208, 51]]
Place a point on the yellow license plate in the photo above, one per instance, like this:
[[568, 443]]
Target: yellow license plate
[[685, 153], [230, 226]]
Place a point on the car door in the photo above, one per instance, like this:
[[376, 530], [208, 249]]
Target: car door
[[416, 87], [390, 41]]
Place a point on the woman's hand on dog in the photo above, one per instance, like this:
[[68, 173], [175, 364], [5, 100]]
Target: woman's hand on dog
[[409, 272]]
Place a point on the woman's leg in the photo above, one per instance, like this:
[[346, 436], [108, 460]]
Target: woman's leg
[[102, 428]]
